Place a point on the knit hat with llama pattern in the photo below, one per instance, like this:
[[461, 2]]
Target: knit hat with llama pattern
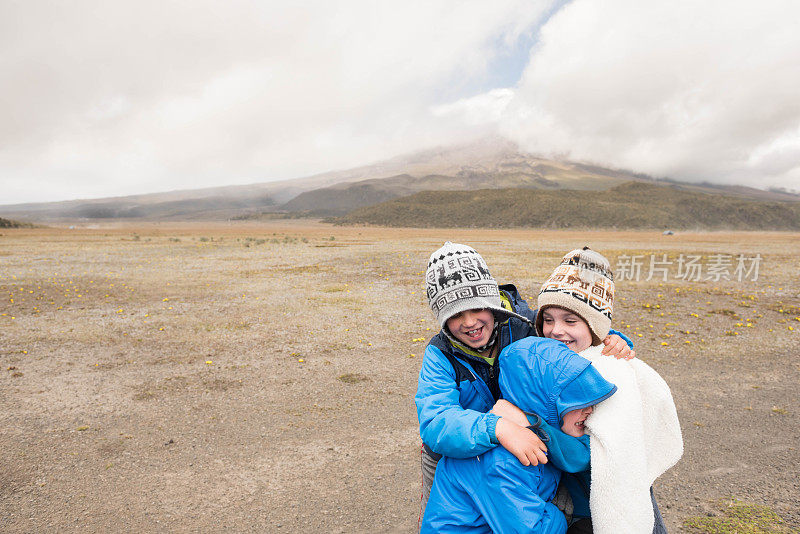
[[457, 279]]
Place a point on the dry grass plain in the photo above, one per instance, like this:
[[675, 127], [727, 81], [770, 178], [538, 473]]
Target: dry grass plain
[[260, 377]]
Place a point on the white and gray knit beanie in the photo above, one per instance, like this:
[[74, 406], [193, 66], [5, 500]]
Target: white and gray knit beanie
[[583, 284], [457, 280]]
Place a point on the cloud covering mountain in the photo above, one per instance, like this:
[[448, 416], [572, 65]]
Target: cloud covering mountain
[[116, 98], [691, 90]]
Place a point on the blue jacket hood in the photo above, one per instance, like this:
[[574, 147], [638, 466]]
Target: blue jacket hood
[[544, 377]]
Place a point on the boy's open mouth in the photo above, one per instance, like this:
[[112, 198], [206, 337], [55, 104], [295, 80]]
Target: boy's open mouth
[[475, 333]]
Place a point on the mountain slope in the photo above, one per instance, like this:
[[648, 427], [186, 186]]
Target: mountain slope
[[630, 205], [491, 163], [342, 198]]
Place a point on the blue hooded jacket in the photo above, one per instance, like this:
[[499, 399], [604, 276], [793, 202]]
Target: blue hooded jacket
[[494, 492]]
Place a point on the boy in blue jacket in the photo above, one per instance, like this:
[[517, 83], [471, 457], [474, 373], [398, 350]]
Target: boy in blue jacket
[[494, 492], [458, 382]]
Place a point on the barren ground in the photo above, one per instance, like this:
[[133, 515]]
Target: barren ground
[[261, 376]]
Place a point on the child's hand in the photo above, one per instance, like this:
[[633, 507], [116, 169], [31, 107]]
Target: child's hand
[[503, 408], [520, 442], [615, 346]]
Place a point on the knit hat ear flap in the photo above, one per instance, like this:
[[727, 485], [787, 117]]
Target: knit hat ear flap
[[583, 284], [457, 279]]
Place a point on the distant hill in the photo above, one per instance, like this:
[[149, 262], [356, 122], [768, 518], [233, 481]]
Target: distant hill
[[506, 170], [491, 163], [631, 205], [188, 209], [214, 203], [343, 198]]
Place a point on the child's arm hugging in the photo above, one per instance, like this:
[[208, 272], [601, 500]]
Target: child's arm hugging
[[451, 430]]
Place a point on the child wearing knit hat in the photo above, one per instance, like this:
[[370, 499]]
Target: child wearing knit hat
[[635, 434], [582, 288], [458, 392]]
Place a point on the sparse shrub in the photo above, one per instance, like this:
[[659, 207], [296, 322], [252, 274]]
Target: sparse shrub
[[333, 289], [741, 518], [353, 378], [7, 223]]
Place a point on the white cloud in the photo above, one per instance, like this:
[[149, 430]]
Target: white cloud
[[104, 98], [690, 90], [485, 108], [109, 98]]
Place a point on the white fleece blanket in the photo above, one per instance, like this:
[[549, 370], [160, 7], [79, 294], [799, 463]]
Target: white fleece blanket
[[635, 436]]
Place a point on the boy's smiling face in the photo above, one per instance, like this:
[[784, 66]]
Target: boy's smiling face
[[567, 327], [473, 328], [574, 421]]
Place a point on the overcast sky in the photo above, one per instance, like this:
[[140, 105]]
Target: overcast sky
[[115, 97]]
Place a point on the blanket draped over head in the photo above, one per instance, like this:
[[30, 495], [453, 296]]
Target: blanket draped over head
[[635, 436]]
